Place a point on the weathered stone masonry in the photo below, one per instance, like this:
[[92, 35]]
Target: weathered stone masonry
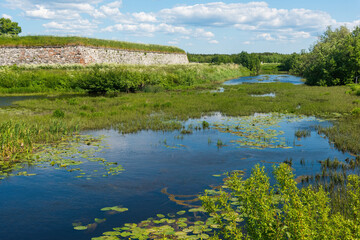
[[85, 55]]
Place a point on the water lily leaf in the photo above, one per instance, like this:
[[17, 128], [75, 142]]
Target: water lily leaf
[[80, 228], [106, 209], [105, 238], [160, 215], [98, 220], [112, 233], [200, 209], [181, 213]]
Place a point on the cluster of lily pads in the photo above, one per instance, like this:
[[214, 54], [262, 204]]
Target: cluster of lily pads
[[257, 132], [79, 150], [70, 154], [171, 226], [91, 226]]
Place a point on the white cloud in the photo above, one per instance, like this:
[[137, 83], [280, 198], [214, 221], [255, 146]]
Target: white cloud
[[247, 43], [82, 26], [40, 12], [213, 41], [246, 16], [199, 32], [144, 17], [116, 4], [6, 16], [185, 21], [266, 36]]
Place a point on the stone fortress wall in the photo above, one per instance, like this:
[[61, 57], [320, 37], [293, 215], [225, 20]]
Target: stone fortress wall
[[85, 55]]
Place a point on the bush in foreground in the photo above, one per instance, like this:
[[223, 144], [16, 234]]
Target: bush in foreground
[[253, 209]]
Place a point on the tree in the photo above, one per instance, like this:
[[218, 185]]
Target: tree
[[332, 60], [7, 27]]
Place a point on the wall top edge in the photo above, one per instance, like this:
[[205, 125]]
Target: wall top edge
[[89, 47]]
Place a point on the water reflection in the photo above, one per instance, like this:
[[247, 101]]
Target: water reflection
[[45, 206], [266, 79]]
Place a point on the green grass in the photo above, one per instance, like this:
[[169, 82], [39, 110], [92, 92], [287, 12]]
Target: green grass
[[270, 68], [113, 78], [36, 41]]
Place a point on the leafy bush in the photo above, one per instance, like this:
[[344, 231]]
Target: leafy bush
[[253, 209], [58, 113]]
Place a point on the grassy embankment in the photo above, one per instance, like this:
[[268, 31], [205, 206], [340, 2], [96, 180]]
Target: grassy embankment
[[112, 77], [271, 68], [34, 41]]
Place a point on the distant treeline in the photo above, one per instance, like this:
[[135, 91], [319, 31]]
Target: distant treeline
[[333, 60], [250, 60]]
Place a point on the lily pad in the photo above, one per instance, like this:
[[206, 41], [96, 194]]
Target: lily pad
[[81, 228]]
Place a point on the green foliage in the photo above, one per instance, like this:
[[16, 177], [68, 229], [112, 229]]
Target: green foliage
[[58, 113], [29, 41], [9, 28], [251, 61], [113, 78], [333, 60], [253, 209]]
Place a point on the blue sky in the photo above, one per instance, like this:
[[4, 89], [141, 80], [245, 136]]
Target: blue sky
[[197, 26]]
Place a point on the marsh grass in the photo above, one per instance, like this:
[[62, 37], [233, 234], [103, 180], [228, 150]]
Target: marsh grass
[[48, 119], [35, 41], [302, 133]]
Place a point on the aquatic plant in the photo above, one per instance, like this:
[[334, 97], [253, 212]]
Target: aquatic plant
[[302, 133]]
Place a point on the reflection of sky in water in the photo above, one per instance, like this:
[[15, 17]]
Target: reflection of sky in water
[[8, 101], [264, 95], [45, 206], [265, 79]]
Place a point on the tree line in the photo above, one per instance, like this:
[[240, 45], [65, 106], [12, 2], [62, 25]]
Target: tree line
[[252, 61], [333, 60]]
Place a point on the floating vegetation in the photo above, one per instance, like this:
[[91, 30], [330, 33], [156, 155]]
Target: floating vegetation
[[70, 154], [258, 131], [114, 209], [162, 227]]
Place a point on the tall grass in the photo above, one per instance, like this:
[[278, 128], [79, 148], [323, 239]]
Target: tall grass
[[36, 41], [112, 77]]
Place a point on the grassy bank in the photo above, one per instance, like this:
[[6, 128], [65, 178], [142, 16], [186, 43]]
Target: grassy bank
[[35, 41], [113, 78], [157, 111], [271, 68]]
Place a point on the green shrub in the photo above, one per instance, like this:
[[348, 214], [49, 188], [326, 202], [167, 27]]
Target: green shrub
[[254, 209], [58, 113]]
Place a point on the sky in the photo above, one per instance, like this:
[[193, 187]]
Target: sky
[[197, 26]]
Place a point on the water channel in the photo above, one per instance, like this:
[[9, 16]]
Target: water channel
[[44, 204]]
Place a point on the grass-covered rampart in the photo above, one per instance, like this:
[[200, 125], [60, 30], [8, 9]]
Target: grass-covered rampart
[[39, 41]]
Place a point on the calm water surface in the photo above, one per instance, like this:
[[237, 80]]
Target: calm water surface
[[45, 206], [9, 100], [266, 79]]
